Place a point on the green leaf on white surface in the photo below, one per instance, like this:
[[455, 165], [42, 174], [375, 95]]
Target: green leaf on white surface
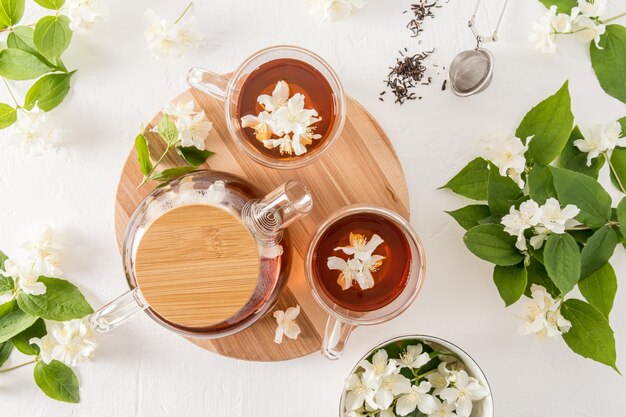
[[8, 115], [51, 4], [21, 341], [16, 64], [471, 181], [61, 302], [511, 282], [599, 289], [48, 91], [598, 250], [52, 36], [502, 192], [591, 335], [491, 243], [11, 11], [469, 216], [609, 61], [57, 381], [549, 124], [13, 320]]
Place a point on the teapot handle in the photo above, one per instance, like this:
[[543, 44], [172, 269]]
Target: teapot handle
[[118, 311], [208, 82]]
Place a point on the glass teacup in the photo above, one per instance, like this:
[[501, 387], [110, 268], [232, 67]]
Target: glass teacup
[[393, 267], [275, 64]]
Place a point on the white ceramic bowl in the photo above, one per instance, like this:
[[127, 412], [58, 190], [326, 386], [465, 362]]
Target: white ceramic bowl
[[483, 408]]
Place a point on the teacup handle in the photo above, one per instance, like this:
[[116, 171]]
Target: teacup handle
[[118, 311], [335, 337], [209, 82]]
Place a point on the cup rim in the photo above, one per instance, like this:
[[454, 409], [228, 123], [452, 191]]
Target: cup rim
[[305, 159], [344, 212], [423, 337]]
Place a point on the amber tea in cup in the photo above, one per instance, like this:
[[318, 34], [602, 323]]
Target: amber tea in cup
[[296, 77], [365, 265], [390, 277]]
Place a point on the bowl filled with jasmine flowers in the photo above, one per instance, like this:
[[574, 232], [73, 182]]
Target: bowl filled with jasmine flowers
[[416, 376]]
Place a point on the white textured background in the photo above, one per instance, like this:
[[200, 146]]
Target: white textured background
[[142, 370]]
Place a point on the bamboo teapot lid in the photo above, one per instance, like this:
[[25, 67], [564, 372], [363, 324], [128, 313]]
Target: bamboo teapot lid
[[197, 265]]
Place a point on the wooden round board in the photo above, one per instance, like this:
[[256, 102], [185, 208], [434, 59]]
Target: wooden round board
[[360, 167]]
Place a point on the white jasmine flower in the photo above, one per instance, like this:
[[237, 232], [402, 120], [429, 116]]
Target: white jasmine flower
[[359, 391], [587, 30], [302, 137], [506, 152], [360, 247], [336, 9], [287, 118], [279, 97], [70, 342], [364, 276], [543, 35], [25, 278], [418, 398], [287, 325], [284, 144], [594, 8], [84, 15], [465, 390], [349, 270], [601, 139], [391, 386], [517, 221], [45, 254], [543, 314], [556, 219], [34, 130], [380, 367], [442, 409], [193, 127], [261, 125], [562, 23], [414, 357], [541, 236], [167, 40]]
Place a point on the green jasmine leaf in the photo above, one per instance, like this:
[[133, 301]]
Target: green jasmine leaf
[[491, 243], [61, 302], [581, 236], [22, 341], [621, 216], [591, 335], [16, 64], [143, 154], [562, 261], [469, 216], [502, 192], [511, 282], [168, 174], [57, 381], [50, 4], [609, 63], [5, 351], [3, 258], [586, 193], [8, 115], [52, 36], [472, 181], [13, 320], [618, 168], [573, 159], [168, 131], [193, 155], [540, 184], [549, 123], [49, 91], [599, 289], [563, 6], [493, 219], [11, 11], [598, 250], [21, 37], [537, 274], [6, 284]]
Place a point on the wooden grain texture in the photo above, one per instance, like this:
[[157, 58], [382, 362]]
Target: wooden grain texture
[[361, 167], [197, 265]]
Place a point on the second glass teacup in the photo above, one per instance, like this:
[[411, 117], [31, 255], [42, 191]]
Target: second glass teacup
[[284, 105], [365, 265]]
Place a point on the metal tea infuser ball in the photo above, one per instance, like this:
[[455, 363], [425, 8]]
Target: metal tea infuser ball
[[471, 71]]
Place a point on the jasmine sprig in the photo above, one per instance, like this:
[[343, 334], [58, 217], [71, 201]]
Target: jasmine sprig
[[548, 225], [183, 131]]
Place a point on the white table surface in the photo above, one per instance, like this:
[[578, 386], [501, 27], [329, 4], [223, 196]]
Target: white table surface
[[142, 370]]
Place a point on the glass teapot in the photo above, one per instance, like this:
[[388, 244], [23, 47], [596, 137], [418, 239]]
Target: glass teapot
[[205, 255]]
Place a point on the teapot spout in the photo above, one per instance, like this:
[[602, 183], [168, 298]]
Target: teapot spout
[[267, 218]]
